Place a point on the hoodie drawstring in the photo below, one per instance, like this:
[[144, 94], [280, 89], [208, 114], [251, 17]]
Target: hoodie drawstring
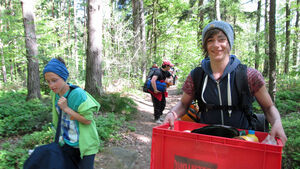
[[229, 95], [203, 88]]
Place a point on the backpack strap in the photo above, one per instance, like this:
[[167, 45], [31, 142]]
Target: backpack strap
[[245, 96], [151, 72], [72, 87], [197, 77]]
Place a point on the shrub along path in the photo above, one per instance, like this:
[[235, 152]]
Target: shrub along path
[[133, 151]]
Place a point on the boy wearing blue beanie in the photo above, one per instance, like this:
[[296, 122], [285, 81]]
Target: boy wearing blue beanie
[[217, 93], [78, 130]]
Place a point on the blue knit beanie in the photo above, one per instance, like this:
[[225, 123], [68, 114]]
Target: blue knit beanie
[[224, 26], [57, 67]]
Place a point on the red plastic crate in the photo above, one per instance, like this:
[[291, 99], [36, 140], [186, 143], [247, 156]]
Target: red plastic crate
[[176, 149]]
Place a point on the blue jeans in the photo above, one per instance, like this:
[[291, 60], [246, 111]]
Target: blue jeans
[[87, 162]]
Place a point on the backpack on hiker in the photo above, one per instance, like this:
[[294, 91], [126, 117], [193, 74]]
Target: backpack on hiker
[[149, 76], [192, 114], [256, 122]]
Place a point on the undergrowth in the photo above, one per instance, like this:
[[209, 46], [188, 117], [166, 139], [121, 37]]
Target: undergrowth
[[30, 122]]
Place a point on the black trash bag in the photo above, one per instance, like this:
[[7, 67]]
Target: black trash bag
[[218, 130]]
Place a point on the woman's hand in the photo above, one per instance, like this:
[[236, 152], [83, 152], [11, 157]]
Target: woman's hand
[[277, 131], [263, 98], [179, 109], [170, 118]]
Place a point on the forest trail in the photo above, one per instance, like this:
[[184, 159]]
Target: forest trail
[[134, 150]]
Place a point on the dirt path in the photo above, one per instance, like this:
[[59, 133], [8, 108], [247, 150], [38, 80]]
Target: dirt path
[[134, 150]]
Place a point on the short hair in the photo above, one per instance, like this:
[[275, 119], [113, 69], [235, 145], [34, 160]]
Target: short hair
[[209, 34], [61, 60]]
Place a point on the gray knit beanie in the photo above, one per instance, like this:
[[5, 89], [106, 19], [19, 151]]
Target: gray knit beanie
[[224, 26]]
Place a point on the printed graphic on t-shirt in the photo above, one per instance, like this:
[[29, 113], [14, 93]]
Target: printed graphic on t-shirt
[[69, 130]]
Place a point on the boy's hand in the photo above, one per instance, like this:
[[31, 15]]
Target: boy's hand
[[62, 103]]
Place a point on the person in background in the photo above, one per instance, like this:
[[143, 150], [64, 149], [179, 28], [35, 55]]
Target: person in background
[[218, 87], [154, 65], [159, 98], [173, 71], [78, 130]]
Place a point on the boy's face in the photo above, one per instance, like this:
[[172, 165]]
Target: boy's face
[[218, 47], [55, 82]]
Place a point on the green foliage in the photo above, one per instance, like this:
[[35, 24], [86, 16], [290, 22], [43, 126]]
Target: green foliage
[[45, 136], [109, 125], [291, 155], [118, 104], [18, 116], [288, 97], [14, 155]]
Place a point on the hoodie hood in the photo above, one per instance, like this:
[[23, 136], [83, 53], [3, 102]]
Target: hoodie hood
[[233, 63]]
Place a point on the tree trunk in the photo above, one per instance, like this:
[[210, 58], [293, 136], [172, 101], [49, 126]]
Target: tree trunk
[[272, 49], [217, 8], [93, 83], [11, 70], [266, 62], [200, 27], [1, 52], [257, 55], [75, 48], [234, 25], [287, 37], [136, 27], [153, 47], [33, 81], [143, 39], [296, 40], [139, 34], [4, 74], [84, 34]]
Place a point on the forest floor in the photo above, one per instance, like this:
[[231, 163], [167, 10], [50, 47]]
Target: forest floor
[[133, 151]]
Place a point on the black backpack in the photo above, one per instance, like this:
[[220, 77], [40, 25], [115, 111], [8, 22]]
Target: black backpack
[[257, 122], [149, 76]]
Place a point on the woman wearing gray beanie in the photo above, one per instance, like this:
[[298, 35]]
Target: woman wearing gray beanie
[[216, 86]]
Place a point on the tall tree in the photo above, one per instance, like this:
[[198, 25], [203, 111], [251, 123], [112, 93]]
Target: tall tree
[[217, 8], [1, 50], [200, 21], [33, 78], [257, 41], [75, 47], [266, 33], [139, 34], [287, 37], [143, 38], [154, 32], [136, 26], [296, 39], [93, 81], [272, 49]]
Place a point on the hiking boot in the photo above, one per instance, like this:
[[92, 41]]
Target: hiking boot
[[161, 119], [158, 121]]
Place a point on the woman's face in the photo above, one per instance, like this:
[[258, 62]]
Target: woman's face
[[218, 47], [55, 82]]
